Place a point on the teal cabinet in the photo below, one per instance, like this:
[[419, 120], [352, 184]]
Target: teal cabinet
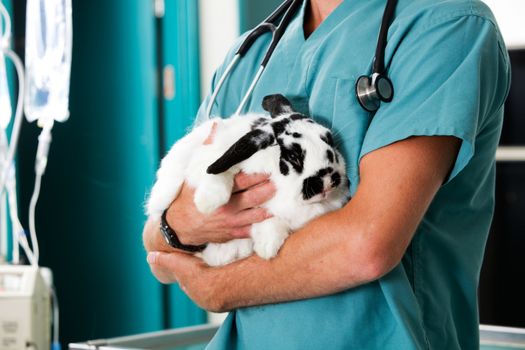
[[178, 57], [101, 164], [103, 160]]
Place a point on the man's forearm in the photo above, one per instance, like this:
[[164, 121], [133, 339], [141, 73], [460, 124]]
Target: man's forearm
[[313, 262]]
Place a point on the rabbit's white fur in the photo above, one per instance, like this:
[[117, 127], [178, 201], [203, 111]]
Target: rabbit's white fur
[[189, 158]]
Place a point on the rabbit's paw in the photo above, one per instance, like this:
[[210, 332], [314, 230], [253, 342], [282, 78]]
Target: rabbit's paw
[[268, 237], [211, 195], [219, 254], [161, 196]]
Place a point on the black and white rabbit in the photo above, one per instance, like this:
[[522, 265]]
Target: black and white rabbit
[[308, 173]]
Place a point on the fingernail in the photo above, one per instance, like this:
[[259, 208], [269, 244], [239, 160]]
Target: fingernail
[[152, 257]]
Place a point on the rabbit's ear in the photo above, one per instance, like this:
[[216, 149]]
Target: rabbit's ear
[[276, 104], [241, 150]]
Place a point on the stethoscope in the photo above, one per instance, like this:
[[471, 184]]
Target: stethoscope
[[370, 90]]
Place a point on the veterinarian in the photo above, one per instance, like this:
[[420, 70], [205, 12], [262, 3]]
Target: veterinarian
[[397, 267]]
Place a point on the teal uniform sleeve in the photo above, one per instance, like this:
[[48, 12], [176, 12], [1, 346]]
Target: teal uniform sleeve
[[450, 78]]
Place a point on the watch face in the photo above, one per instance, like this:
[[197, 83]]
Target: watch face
[[166, 234], [166, 238]]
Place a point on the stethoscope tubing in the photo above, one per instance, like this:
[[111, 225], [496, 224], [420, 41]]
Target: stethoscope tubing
[[265, 26], [379, 57], [250, 90], [221, 81]]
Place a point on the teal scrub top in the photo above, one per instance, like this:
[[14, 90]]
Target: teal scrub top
[[450, 70]]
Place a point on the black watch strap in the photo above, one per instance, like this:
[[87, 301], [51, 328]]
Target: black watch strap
[[171, 237]]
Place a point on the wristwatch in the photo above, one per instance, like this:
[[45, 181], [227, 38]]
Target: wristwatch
[[171, 237]]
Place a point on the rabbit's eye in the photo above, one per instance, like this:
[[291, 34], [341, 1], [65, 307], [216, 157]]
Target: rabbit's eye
[[298, 116], [294, 134], [336, 179]]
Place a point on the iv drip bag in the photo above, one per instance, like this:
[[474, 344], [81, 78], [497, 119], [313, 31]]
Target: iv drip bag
[[48, 59]]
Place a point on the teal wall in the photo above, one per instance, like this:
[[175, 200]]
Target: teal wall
[[252, 12]]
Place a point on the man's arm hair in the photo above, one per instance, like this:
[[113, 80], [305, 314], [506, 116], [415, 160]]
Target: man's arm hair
[[354, 245]]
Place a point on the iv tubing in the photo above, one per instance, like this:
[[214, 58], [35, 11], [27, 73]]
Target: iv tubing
[[8, 161], [44, 141], [3, 231], [15, 256], [19, 235], [7, 32], [32, 207], [15, 134], [56, 319]]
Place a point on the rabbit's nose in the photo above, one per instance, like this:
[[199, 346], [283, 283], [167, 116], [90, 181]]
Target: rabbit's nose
[[327, 191]]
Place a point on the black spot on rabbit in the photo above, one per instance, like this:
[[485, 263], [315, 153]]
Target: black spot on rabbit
[[293, 155], [330, 156], [315, 185], [283, 167], [279, 127], [312, 186], [259, 122]]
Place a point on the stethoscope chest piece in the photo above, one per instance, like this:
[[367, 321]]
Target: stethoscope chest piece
[[371, 91]]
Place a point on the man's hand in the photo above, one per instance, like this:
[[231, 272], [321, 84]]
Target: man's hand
[[232, 220], [194, 277]]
